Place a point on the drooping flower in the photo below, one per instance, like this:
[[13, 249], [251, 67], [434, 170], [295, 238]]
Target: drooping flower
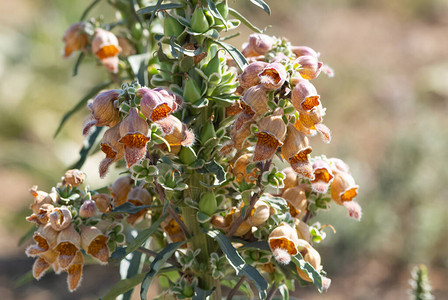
[[111, 146], [68, 245], [309, 66], [254, 103], [87, 209], [103, 110], [75, 38], [343, 188], [60, 218], [43, 262], [74, 272], [138, 196], [94, 242], [134, 136], [45, 238], [42, 217], [173, 230], [120, 190], [296, 199], [304, 96], [40, 198], [322, 176], [311, 256], [354, 209], [304, 50], [296, 150], [271, 134], [259, 44], [303, 230], [239, 169], [103, 202], [106, 47], [176, 133], [156, 104], [291, 178], [273, 76], [259, 214], [249, 77], [283, 242]]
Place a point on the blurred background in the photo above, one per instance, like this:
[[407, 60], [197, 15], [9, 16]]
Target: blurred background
[[386, 107]]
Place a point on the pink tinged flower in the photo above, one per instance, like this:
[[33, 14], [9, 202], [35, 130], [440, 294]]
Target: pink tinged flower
[[138, 196], [40, 198], [60, 218], [259, 44], [120, 190], [311, 122], [283, 242], [103, 110], [338, 165], [304, 96], [271, 134], [176, 133], [74, 272], [343, 188], [87, 209], [296, 199], [250, 77], [296, 150], [304, 50], [322, 176], [354, 210], [309, 66], [68, 245], [45, 238], [254, 103], [327, 70], [75, 38], [106, 47], [111, 146], [94, 242], [157, 103], [273, 76], [134, 136]]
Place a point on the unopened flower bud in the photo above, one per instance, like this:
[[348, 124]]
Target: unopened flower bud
[[171, 26], [68, 244], [309, 66], [103, 202], [297, 201], [106, 47], [322, 176], [207, 203], [94, 242], [296, 150], [87, 209], [343, 188], [75, 38], [259, 214], [73, 178], [250, 77], [199, 21], [239, 169], [120, 190], [157, 103], [273, 76], [271, 134], [60, 218], [134, 136], [283, 242], [304, 50], [304, 96]]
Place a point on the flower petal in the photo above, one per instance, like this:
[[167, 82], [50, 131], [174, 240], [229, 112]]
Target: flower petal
[[266, 146]]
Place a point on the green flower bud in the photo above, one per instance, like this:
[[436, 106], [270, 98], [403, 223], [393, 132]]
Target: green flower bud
[[192, 92], [187, 155], [188, 291], [213, 66], [207, 204], [172, 27], [207, 132], [199, 21]]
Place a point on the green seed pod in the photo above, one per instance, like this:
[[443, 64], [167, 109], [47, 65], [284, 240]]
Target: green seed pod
[[192, 92], [187, 155], [213, 66], [207, 204], [207, 132], [199, 21], [172, 27]]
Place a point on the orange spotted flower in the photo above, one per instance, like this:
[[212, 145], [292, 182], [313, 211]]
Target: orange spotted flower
[[253, 104], [75, 38], [296, 150], [68, 245], [74, 272], [156, 103], [249, 77], [271, 134], [111, 146], [176, 133], [304, 96], [322, 176], [94, 242], [134, 136], [103, 110], [309, 66], [273, 76], [106, 47], [343, 188], [283, 242]]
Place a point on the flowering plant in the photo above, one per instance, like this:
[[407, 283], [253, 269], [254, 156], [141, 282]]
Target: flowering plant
[[203, 135]]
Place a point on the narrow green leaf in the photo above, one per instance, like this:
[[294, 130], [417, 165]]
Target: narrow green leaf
[[156, 265], [309, 270], [244, 20], [284, 291], [78, 62], [88, 145], [216, 169], [88, 9], [24, 279], [180, 49], [123, 286], [27, 236], [215, 12], [82, 103], [261, 4], [237, 56], [133, 270], [130, 208], [152, 8], [156, 8], [237, 262]]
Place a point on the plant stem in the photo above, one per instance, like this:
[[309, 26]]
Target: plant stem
[[271, 292], [236, 288]]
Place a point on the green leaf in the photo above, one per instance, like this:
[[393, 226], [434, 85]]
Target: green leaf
[[261, 4], [123, 286], [27, 236], [215, 12], [87, 10], [283, 289], [82, 103], [244, 20], [78, 62], [130, 208], [88, 145], [200, 294], [216, 169], [152, 8], [237, 262], [133, 269], [180, 49], [237, 56], [309, 270], [157, 264], [24, 279]]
